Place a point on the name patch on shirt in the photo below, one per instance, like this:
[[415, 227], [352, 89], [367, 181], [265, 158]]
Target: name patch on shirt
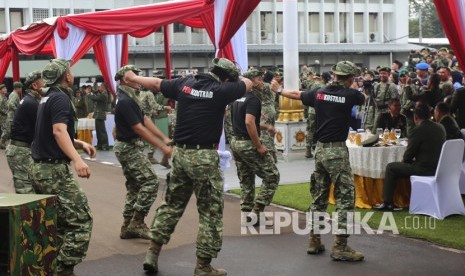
[[330, 98], [197, 93]]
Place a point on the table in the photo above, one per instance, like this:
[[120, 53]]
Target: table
[[368, 165], [85, 127], [27, 234]]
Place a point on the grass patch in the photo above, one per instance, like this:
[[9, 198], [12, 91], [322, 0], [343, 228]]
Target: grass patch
[[449, 232]]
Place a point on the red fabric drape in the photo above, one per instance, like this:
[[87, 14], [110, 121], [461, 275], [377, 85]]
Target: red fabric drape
[[137, 21], [15, 63], [4, 64], [47, 50], [99, 52], [452, 20], [166, 37], [3, 47], [88, 42], [32, 40], [124, 53]]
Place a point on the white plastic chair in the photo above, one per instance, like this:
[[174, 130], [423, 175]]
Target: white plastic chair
[[462, 175], [439, 196]]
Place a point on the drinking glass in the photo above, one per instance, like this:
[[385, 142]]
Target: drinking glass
[[398, 132]]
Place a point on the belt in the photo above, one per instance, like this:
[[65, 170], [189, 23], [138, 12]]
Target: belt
[[242, 138], [128, 140], [20, 143], [52, 161], [331, 144], [190, 146]]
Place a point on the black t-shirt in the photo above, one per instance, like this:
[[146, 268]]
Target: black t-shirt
[[55, 107], [201, 104], [127, 114], [245, 105], [333, 107], [24, 121]]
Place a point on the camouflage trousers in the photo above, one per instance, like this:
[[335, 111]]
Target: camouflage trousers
[[74, 218], [227, 124], [249, 163], [141, 180], [311, 128], [6, 129], [193, 171], [267, 139], [332, 166], [369, 118], [20, 163]]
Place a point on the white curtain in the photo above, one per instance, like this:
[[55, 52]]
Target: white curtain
[[239, 45], [113, 51], [66, 48]]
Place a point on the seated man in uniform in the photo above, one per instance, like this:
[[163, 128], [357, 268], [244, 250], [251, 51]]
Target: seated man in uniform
[[442, 116], [392, 118], [420, 158]]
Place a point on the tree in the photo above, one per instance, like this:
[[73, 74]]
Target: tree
[[431, 25]]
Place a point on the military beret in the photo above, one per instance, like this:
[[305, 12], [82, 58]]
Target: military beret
[[253, 73], [369, 72], [444, 49], [403, 72], [422, 66], [17, 84], [425, 49], [55, 70], [2, 86], [32, 77], [119, 75], [227, 66], [384, 69], [344, 68]]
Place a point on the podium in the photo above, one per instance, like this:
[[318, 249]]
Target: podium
[[27, 234]]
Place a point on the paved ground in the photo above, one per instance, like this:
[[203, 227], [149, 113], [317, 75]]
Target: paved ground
[[244, 255]]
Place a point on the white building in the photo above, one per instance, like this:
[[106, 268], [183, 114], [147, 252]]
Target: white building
[[367, 32]]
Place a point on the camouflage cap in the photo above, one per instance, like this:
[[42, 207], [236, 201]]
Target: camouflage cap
[[2, 86], [403, 72], [344, 68], [226, 65], [369, 72], [17, 84], [253, 73], [55, 70], [444, 49], [32, 77], [120, 74]]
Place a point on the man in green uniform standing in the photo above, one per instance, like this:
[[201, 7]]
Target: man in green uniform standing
[[383, 92], [333, 106], [100, 99], [3, 111], [12, 105]]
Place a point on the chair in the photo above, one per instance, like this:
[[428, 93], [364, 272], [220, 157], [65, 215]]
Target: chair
[[439, 195], [462, 175]]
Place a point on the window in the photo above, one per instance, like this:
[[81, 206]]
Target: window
[[314, 22], [196, 30], [179, 28], [39, 14], [60, 12], [358, 22], [343, 27], [79, 11], [16, 19], [329, 22], [279, 25], [373, 22], [2, 19], [266, 22]]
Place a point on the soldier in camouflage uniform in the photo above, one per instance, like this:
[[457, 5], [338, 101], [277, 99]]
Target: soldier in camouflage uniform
[[382, 93], [100, 98], [408, 91], [3, 111], [18, 152], [52, 150], [201, 104], [333, 106], [251, 155], [141, 180], [12, 105], [149, 107]]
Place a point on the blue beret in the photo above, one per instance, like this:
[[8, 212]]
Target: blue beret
[[422, 66]]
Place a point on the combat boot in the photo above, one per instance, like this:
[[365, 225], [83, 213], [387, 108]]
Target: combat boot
[[308, 153], [66, 270], [151, 258], [314, 244], [152, 159], [124, 229], [342, 252], [204, 268], [165, 163], [137, 227]]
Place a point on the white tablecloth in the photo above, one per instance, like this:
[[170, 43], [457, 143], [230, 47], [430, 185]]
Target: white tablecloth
[[109, 124], [372, 161]]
